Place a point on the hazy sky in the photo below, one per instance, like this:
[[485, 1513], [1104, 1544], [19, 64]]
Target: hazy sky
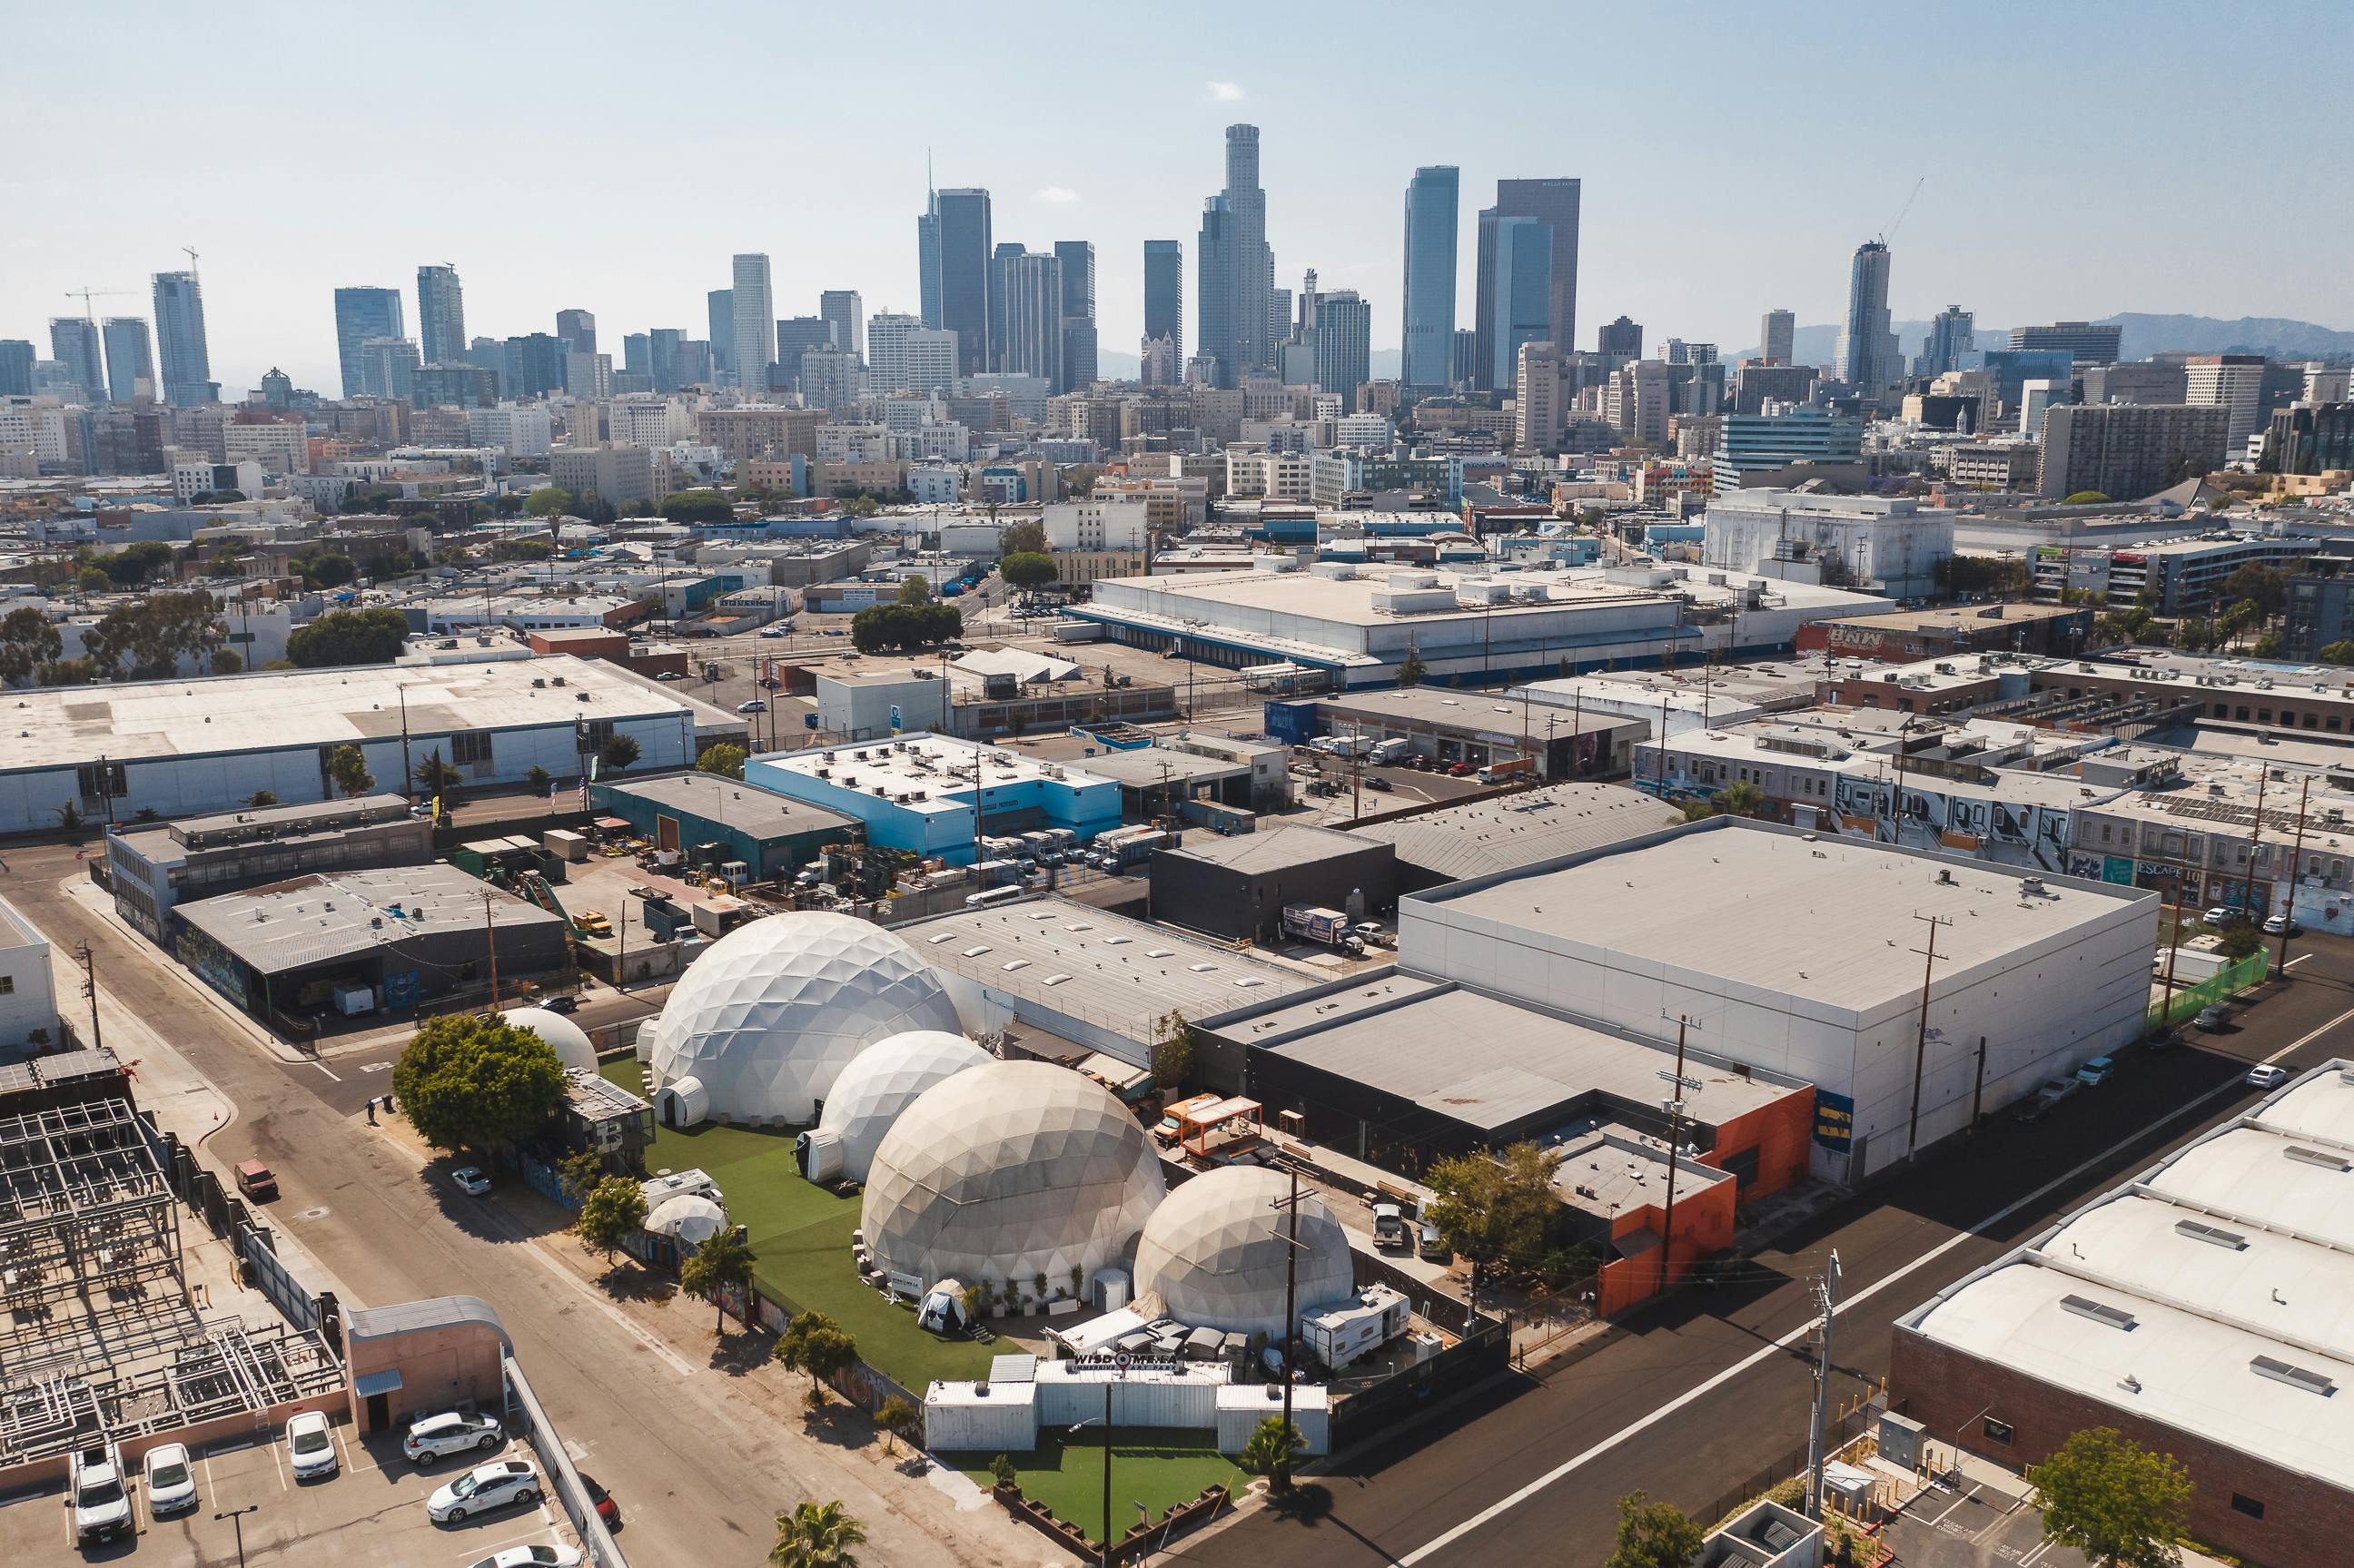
[[2083, 158]]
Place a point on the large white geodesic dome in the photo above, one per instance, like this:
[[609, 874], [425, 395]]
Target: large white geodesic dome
[[1009, 1170], [883, 1080], [772, 1013], [568, 1039], [1216, 1250]]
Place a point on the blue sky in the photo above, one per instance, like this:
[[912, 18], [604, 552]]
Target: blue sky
[[2083, 158]]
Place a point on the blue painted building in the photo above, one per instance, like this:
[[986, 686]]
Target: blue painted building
[[919, 793]]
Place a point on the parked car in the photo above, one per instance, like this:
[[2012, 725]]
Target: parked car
[[2048, 1098], [557, 1555], [257, 1181], [503, 1483], [752, 706], [666, 675], [2283, 926], [1434, 1245], [2095, 1071], [470, 1180], [1375, 781], [2212, 1019], [310, 1447], [2267, 1077], [171, 1480], [2221, 915], [563, 1002], [773, 632], [1390, 1233], [1462, 771], [453, 1431], [96, 1494], [606, 1509]]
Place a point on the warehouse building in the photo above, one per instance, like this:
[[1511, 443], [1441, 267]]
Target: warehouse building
[[1237, 887], [1495, 834], [2198, 1309], [153, 868], [933, 795], [1471, 727], [185, 748], [1811, 966], [773, 836]]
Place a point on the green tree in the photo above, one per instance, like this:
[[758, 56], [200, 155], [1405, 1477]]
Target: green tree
[[816, 1344], [27, 641], [613, 1212], [915, 589], [896, 1416], [698, 506], [817, 1535], [349, 769], [723, 757], [579, 1171], [1172, 1051], [261, 798], [1654, 1534], [1411, 673], [1029, 569], [539, 779], [617, 754], [93, 579], [2338, 654], [1023, 540], [883, 627], [1493, 1207], [475, 1081], [1740, 798], [2264, 587], [2114, 1501], [136, 564], [1080, 478], [226, 662], [2085, 498], [69, 817], [521, 550], [346, 637], [550, 500], [1273, 1445], [719, 1265], [433, 776]]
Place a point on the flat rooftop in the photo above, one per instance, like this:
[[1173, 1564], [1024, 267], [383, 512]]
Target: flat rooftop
[[1829, 920], [1350, 600], [278, 710], [1270, 849], [1490, 713], [1147, 767], [938, 766], [1497, 832], [732, 803], [317, 919], [1501, 1062]]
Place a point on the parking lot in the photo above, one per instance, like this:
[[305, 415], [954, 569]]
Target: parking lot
[[1984, 1522], [372, 1510]]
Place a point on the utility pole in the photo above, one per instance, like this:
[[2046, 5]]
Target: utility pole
[[1920, 1040], [1827, 1292], [106, 788], [2255, 842], [490, 932], [1279, 1480], [408, 770], [1978, 1088], [88, 961], [1677, 1085], [2288, 901]]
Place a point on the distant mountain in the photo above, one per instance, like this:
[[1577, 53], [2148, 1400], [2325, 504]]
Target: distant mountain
[[2144, 335]]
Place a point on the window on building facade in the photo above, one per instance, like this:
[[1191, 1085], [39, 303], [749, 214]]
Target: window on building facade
[[2242, 1503], [1999, 1431]]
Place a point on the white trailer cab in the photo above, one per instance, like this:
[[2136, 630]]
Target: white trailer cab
[[1348, 1330]]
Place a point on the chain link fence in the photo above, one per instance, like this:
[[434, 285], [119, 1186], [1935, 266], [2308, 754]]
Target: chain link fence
[[2220, 986]]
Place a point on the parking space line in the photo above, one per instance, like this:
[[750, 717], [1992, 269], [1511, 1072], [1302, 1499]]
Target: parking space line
[[2043, 1548], [2296, 960], [1955, 1504], [277, 1467], [329, 1071]]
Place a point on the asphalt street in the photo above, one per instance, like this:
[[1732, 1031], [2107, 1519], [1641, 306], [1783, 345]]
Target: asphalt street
[[1701, 1393]]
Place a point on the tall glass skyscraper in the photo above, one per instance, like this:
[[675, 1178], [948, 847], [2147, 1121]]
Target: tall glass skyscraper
[[1867, 348], [1026, 301], [847, 313], [1076, 260], [719, 308], [1164, 293], [1344, 341], [1432, 213], [964, 249], [752, 344], [129, 359], [1520, 287], [185, 362], [17, 356], [440, 314], [362, 315], [1552, 203], [73, 343], [1236, 287]]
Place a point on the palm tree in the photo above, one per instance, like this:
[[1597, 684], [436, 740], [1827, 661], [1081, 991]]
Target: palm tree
[[817, 1535], [1740, 798], [723, 1261]]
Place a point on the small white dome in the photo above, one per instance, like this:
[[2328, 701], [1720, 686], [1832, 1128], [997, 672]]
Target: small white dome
[[692, 1220], [1217, 1250], [883, 1080], [773, 1013], [568, 1039], [1009, 1171]]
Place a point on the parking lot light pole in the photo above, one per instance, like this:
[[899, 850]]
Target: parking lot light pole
[[235, 1518]]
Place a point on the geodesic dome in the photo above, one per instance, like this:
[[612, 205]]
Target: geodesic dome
[[1006, 1172], [568, 1039], [883, 1080], [1216, 1251], [688, 1218], [772, 1013]]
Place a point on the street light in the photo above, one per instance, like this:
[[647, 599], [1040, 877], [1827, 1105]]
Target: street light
[[1105, 1422], [235, 1518]]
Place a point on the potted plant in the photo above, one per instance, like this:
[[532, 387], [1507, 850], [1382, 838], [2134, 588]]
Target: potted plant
[[1079, 1283], [1001, 1479]]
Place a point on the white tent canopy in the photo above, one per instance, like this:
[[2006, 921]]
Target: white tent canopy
[[691, 1220]]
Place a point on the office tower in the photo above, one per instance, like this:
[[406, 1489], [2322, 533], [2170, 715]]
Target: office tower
[[965, 250], [2326, 384], [1867, 360], [1463, 360], [1344, 341], [1540, 397], [719, 311], [1552, 202], [184, 362], [73, 343], [663, 358], [847, 311], [579, 327], [532, 365], [829, 377], [796, 336], [1622, 338], [1075, 258], [129, 360], [1213, 290], [1157, 363], [1235, 268], [2086, 342], [363, 315], [440, 315], [587, 375], [1519, 291], [389, 368], [462, 384], [1432, 215], [277, 389], [690, 364], [17, 356], [638, 355], [927, 261], [2232, 381], [752, 345], [1775, 337], [1952, 340], [905, 355], [2131, 450], [1164, 293], [1029, 286]]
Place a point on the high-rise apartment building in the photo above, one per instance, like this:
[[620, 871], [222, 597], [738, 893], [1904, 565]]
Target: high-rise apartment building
[[1868, 360], [1540, 401], [578, 328], [1433, 215], [2131, 450], [1075, 258], [1635, 400], [1344, 341], [184, 361], [963, 248], [1237, 285], [129, 358], [752, 345], [719, 311], [1164, 294], [1621, 339], [1776, 335], [364, 316], [904, 356], [389, 368], [587, 375], [1519, 291], [440, 315], [2087, 343], [2230, 381], [847, 313], [1554, 204], [1953, 337], [1028, 285]]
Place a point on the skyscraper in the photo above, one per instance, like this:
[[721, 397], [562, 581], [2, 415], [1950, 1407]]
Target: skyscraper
[[73, 343], [362, 315], [1774, 335], [719, 310], [184, 363], [965, 250], [1867, 348], [1432, 215], [1164, 294], [440, 314], [796, 336], [752, 344], [1553, 202], [1029, 286], [1621, 339], [580, 326], [847, 311], [1951, 337], [1344, 341], [1076, 259], [1518, 289], [662, 357], [129, 360], [388, 367], [927, 261], [17, 356], [905, 356], [1237, 267]]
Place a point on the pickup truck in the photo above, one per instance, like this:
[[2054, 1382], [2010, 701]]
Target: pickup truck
[[96, 1492]]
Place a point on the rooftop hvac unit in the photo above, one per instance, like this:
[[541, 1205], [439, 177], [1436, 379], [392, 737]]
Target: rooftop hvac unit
[[555, 679]]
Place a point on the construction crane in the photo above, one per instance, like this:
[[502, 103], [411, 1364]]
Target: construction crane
[[1896, 223], [191, 259], [86, 293]]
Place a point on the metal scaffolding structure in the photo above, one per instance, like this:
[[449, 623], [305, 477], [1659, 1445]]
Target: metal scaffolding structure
[[84, 1207]]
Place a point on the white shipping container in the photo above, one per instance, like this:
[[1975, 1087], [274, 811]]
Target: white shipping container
[[1187, 1398], [1242, 1406], [959, 1417]]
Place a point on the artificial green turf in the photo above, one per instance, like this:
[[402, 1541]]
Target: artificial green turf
[[1158, 1468]]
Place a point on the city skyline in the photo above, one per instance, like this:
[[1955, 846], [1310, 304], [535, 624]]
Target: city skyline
[[268, 277]]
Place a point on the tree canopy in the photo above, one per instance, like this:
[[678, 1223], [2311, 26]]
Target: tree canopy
[[1493, 1207], [882, 627], [915, 589], [1029, 569], [2114, 1501], [550, 500], [698, 506], [1271, 1449], [723, 757], [2264, 587], [347, 766], [135, 564], [617, 754], [2085, 498], [147, 639], [1022, 538], [471, 1081], [344, 637], [323, 568], [1654, 1534], [27, 641], [719, 1265], [816, 1344], [817, 1535], [612, 1211]]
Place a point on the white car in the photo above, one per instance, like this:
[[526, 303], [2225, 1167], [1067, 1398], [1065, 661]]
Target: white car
[[551, 1556], [439, 1437], [171, 1480], [753, 706], [311, 1447], [2267, 1077], [503, 1483], [470, 1179]]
